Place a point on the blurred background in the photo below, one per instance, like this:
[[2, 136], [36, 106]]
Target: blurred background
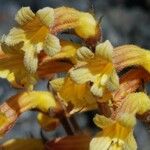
[[124, 21]]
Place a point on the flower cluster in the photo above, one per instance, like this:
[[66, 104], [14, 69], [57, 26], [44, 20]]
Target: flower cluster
[[95, 78]]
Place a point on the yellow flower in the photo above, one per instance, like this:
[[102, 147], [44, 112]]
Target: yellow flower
[[135, 103], [16, 105], [87, 26], [96, 68], [78, 95], [34, 31], [116, 134], [17, 144], [83, 23], [131, 55], [12, 67]]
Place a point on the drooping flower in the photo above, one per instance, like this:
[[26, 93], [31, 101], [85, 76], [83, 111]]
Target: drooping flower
[[96, 68], [131, 55], [12, 67], [116, 134], [83, 23], [34, 31], [78, 95], [16, 105]]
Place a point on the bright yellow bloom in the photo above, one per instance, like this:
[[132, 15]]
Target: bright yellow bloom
[[97, 68], [24, 144], [135, 103], [16, 105], [116, 134], [78, 95], [12, 67], [83, 23], [34, 32], [131, 55]]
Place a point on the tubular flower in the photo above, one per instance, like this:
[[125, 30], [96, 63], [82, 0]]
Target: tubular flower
[[34, 32], [16, 105], [135, 103], [12, 67], [131, 55], [83, 23], [96, 68], [116, 134], [78, 95], [129, 83]]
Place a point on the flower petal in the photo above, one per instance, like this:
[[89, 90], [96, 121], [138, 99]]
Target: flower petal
[[102, 121], [98, 143], [30, 59], [52, 45], [46, 15], [131, 55], [15, 36], [24, 15], [84, 53], [104, 50], [81, 75], [57, 84], [135, 103], [22, 102], [79, 94]]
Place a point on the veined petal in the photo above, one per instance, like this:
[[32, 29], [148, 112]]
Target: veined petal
[[23, 144], [129, 83], [25, 101], [136, 103], [79, 94], [13, 50], [105, 50], [46, 15], [98, 143], [30, 58], [57, 84], [81, 75], [24, 15], [87, 25], [47, 123], [84, 53], [114, 134], [15, 36], [52, 45], [113, 82], [102, 121], [131, 55]]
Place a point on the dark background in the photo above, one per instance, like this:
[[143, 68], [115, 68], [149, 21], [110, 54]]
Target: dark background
[[124, 21]]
